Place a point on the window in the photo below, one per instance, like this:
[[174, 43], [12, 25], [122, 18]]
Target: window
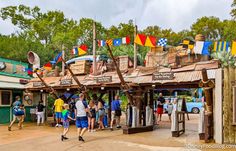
[[6, 97]]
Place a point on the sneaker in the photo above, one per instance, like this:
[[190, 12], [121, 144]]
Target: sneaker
[[59, 125], [118, 126], [9, 128], [56, 125], [62, 137], [93, 131], [111, 128], [81, 138]]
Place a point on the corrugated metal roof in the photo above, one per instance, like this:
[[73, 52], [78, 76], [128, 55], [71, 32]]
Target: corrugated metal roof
[[190, 73]]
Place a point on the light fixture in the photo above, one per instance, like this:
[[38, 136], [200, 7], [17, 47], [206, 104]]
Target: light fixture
[[102, 88], [153, 85], [68, 89], [41, 90]]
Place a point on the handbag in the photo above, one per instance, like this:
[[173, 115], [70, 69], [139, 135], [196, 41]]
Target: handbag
[[118, 112]]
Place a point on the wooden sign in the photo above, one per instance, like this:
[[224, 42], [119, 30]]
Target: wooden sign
[[104, 79], [163, 76], [66, 82], [38, 84], [23, 81]]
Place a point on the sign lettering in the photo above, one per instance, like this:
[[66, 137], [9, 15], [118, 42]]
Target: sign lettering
[[38, 84], [66, 82], [163, 76], [105, 79]]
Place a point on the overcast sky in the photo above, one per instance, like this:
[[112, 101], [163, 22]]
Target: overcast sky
[[174, 14]]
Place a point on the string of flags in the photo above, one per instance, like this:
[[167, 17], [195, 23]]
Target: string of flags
[[202, 47], [150, 41], [114, 42], [81, 50]]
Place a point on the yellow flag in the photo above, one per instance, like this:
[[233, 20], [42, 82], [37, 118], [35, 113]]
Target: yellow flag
[[233, 50]]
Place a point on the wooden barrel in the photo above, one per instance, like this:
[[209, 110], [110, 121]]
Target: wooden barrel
[[199, 37]]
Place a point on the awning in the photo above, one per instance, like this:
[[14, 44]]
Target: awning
[[11, 85]]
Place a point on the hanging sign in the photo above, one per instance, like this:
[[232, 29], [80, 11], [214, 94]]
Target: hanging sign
[[104, 79], [163, 76], [66, 82]]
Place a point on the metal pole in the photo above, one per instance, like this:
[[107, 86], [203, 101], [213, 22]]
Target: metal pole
[[135, 47], [94, 49]]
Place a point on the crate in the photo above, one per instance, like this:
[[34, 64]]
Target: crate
[[80, 67], [123, 62]]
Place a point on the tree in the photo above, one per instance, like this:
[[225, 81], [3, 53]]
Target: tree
[[233, 11], [229, 30], [211, 27]]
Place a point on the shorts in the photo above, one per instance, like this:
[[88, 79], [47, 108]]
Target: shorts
[[66, 124], [159, 110], [101, 112], [58, 114], [81, 122], [113, 115]]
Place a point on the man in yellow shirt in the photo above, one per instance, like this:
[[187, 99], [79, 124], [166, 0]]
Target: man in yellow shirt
[[58, 104]]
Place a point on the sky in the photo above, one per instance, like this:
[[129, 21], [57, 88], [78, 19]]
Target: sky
[[174, 14]]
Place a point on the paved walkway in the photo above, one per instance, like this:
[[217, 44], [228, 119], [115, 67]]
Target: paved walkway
[[45, 138]]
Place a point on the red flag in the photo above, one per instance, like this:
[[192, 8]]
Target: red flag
[[48, 66]]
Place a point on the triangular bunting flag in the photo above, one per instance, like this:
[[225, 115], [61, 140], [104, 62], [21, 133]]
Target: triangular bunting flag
[[140, 39], [151, 41], [83, 49]]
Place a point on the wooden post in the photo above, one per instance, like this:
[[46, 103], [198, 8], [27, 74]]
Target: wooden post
[[231, 127], [124, 86], [46, 85], [135, 47], [226, 106], [94, 50], [63, 65]]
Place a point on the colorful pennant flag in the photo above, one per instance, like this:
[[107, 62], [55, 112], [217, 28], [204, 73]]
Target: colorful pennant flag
[[201, 47], [188, 44], [57, 59], [29, 71], [221, 46], [83, 49], [233, 50], [48, 66], [109, 42], [162, 42], [74, 51], [140, 39], [151, 41], [126, 40], [101, 43], [117, 42]]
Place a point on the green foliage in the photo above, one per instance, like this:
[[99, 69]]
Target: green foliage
[[211, 27]]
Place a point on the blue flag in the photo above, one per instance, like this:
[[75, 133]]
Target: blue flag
[[205, 50], [57, 59], [117, 42]]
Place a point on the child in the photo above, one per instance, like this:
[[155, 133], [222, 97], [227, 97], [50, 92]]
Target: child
[[66, 124], [169, 109]]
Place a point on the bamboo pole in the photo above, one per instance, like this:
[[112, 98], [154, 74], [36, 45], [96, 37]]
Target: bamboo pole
[[230, 109], [225, 106]]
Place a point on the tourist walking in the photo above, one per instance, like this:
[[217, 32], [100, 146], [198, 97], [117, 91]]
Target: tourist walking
[[91, 119], [169, 109], [115, 112], [18, 113], [40, 112], [81, 117], [58, 104], [160, 103], [101, 113], [66, 123]]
